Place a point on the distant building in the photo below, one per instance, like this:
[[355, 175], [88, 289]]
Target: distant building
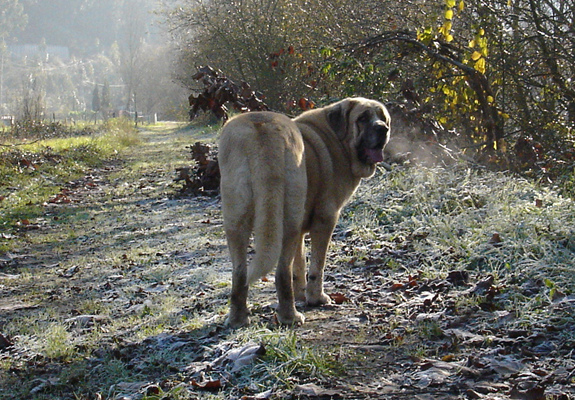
[[7, 120], [36, 50]]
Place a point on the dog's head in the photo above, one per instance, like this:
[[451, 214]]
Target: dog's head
[[363, 126]]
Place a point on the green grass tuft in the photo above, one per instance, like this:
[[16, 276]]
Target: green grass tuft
[[288, 360]]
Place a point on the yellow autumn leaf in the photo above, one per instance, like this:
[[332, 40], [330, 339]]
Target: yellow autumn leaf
[[480, 65], [449, 14], [490, 99], [449, 38], [461, 6], [472, 44], [476, 56], [450, 3], [481, 31]]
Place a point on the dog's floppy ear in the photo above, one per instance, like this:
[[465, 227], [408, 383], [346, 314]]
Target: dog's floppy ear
[[337, 118]]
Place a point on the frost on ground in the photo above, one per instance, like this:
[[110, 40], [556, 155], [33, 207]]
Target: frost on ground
[[447, 283]]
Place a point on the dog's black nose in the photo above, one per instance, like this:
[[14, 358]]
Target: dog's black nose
[[377, 135], [380, 127], [381, 132]]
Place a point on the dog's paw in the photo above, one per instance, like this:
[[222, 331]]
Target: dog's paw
[[292, 319], [238, 319], [319, 300]]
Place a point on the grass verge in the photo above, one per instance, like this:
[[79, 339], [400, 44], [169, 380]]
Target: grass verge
[[423, 224], [32, 175], [466, 219]]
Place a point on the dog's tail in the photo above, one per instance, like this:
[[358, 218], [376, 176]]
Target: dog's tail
[[269, 198]]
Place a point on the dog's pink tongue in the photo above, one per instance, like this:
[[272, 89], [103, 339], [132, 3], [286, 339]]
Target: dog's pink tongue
[[374, 155]]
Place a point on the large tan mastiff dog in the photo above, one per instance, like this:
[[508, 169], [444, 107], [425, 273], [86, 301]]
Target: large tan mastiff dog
[[283, 178]]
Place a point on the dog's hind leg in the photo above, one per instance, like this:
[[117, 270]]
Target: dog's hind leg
[[238, 241], [238, 224]]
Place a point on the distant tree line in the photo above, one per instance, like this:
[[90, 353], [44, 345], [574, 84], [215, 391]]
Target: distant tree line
[[499, 76], [112, 51]]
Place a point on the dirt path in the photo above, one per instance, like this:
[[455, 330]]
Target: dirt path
[[121, 293], [116, 218], [120, 260]]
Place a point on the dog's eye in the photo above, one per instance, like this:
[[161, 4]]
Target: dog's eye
[[363, 118]]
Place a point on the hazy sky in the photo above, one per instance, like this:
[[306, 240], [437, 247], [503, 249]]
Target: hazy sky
[[79, 24]]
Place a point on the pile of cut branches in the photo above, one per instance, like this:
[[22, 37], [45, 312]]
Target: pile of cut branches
[[204, 177], [220, 90]]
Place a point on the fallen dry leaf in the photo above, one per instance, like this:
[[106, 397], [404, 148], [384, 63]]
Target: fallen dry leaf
[[458, 277], [531, 392], [245, 355], [4, 342], [495, 240], [506, 365], [338, 298], [432, 377], [208, 385]]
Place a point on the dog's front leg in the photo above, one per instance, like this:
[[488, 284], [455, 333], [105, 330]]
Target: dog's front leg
[[320, 237], [287, 313]]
